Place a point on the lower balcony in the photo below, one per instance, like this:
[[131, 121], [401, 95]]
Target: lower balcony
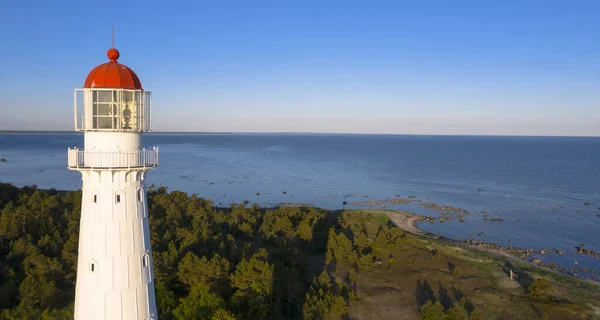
[[83, 159]]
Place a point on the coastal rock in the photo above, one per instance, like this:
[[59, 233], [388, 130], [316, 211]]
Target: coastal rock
[[494, 219], [582, 250], [2, 160]]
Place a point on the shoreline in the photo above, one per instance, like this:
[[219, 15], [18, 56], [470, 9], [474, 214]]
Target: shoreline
[[408, 221]]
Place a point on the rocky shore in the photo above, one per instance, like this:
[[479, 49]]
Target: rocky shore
[[409, 222]]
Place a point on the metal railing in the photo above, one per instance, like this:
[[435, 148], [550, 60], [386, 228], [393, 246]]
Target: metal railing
[[78, 158]]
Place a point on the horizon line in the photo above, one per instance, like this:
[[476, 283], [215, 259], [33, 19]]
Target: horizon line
[[321, 133]]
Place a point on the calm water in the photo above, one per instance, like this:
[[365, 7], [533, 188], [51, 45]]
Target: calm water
[[537, 184]]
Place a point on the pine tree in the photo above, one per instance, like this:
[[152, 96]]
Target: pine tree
[[252, 281], [361, 241], [200, 303], [432, 311], [222, 314]]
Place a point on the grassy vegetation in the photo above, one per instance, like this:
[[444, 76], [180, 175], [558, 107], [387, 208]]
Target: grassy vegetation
[[433, 270]]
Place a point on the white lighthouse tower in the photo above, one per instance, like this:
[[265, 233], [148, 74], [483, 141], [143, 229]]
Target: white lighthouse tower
[[114, 267]]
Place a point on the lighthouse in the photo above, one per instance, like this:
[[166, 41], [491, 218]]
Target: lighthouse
[[114, 265]]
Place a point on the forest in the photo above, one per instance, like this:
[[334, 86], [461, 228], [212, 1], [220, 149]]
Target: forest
[[248, 262]]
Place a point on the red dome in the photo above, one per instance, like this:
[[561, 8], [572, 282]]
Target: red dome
[[113, 75]]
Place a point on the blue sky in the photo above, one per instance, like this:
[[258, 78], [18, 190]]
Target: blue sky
[[421, 67]]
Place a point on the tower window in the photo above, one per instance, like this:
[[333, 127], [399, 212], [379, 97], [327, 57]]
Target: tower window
[[95, 198], [92, 267], [139, 195], [145, 261], [118, 199]]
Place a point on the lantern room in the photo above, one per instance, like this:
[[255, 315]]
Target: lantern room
[[112, 99]]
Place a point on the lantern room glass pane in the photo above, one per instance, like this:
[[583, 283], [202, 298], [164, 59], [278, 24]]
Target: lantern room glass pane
[[138, 109], [128, 111], [104, 109]]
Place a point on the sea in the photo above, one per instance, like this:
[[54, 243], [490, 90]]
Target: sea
[[528, 192]]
